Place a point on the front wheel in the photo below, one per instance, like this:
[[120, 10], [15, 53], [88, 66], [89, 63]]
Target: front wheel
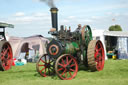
[[66, 67], [45, 66]]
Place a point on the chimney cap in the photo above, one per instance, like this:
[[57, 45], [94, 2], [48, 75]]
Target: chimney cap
[[54, 9]]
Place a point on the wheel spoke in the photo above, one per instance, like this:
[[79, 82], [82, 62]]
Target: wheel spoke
[[61, 64], [72, 70], [2, 58], [42, 60], [70, 61], [50, 61], [100, 49], [60, 69], [63, 72], [45, 59], [5, 51], [72, 65], [9, 57], [49, 71], [42, 69], [40, 65], [63, 61], [51, 68], [70, 73]]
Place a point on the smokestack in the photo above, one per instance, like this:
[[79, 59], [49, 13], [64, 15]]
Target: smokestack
[[54, 18]]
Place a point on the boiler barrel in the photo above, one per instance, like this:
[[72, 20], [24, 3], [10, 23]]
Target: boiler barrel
[[71, 48], [56, 48]]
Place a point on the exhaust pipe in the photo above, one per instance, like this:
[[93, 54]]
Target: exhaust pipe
[[54, 18]]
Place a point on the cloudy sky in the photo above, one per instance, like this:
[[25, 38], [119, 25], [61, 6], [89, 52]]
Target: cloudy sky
[[32, 17]]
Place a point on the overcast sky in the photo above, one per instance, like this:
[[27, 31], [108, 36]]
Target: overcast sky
[[32, 17]]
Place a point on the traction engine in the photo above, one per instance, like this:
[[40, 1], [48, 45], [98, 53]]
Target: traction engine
[[6, 55], [68, 50]]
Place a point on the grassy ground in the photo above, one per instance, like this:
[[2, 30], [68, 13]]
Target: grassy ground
[[114, 73]]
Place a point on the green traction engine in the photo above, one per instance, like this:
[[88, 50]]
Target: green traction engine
[[69, 49]]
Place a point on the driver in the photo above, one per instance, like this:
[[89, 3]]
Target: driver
[[78, 29]]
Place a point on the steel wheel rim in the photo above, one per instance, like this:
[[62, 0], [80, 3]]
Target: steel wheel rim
[[66, 67], [45, 66], [99, 56], [6, 57]]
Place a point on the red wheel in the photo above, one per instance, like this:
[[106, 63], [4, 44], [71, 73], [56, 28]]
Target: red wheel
[[6, 56], [66, 67], [45, 66], [99, 56], [96, 57]]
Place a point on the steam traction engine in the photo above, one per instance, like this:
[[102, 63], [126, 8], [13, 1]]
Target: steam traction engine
[[70, 49], [6, 55]]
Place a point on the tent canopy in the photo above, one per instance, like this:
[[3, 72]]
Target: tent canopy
[[20, 45], [116, 33]]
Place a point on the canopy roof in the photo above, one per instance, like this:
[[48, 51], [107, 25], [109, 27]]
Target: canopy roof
[[116, 33], [3, 25]]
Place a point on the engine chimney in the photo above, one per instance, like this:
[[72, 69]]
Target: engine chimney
[[54, 18]]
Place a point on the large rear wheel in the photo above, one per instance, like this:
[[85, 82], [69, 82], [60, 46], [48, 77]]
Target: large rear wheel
[[95, 55], [6, 56]]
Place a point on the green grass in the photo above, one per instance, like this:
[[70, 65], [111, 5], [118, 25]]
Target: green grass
[[115, 73]]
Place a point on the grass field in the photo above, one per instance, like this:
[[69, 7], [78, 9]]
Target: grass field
[[114, 73]]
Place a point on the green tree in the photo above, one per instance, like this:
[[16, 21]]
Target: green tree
[[115, 28]]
